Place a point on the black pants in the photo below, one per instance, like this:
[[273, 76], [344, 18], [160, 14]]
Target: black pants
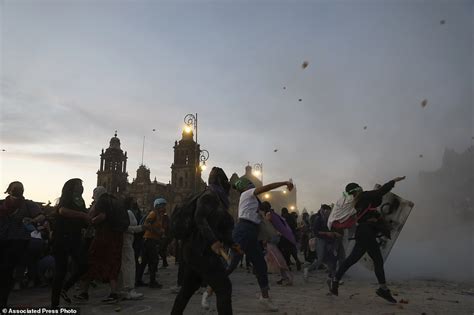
[[61, 254], [209, 269], [288, 249], [366, 242], [137, 250], [11, 253], [151, 258], [304, 245], [164, 251], [29, 260]]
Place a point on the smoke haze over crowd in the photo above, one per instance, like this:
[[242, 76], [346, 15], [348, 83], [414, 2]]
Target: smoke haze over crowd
[[73, 72]]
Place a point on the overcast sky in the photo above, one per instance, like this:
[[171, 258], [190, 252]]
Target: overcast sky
[[72, 72]]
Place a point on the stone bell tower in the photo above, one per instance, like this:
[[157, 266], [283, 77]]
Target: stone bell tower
[[185, 170], [112, 173]]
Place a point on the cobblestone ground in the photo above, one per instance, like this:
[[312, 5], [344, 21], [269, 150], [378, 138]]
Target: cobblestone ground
[[355, 297]]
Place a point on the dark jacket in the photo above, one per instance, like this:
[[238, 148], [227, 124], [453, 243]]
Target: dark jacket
[[213, 221], [291, 220], [372, 198], [321, 225]]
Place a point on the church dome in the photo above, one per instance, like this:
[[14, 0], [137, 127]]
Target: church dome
[[115, 142]]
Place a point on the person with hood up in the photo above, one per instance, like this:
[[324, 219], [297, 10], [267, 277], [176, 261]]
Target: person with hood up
[[202, 250]]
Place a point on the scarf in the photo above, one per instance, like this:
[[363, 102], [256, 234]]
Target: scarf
[[343, 210]]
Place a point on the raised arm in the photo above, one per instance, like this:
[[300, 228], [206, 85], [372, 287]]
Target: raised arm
[[73, 214], [35, 213], [264, 189], [385, 188], [133, 228]]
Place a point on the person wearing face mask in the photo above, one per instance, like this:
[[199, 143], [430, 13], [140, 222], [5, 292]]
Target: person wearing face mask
[[71, 217], [202, 250], [365, 204], [325, 243], [15, 213]]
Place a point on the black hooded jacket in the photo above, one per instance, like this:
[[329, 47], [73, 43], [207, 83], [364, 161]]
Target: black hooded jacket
[[372, 198], [212, 219]]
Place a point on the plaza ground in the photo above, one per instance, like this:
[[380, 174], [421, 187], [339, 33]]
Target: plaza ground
[[355, 297]]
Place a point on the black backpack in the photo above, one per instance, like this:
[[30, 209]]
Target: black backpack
[[117, 214], [182, 224]]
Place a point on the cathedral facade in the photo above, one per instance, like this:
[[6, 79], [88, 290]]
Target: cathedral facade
[[185, 174], [185, 178]]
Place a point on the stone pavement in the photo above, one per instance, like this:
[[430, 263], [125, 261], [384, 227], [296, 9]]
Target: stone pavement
[[355, 297]]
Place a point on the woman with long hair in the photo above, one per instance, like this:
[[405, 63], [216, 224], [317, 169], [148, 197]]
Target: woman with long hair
[[71, 217]]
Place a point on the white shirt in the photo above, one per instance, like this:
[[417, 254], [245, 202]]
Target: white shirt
[[36, 234], [132, 229], [248, 207]]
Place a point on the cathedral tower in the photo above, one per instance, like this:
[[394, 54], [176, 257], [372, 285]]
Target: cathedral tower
[[185, 170], [112, 173]]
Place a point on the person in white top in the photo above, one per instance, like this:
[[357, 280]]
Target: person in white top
[[127, 270], [246, 231]]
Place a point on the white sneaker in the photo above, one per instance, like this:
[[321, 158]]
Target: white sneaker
[[305, 273], [205, 301], [268, 304], [133, 295]]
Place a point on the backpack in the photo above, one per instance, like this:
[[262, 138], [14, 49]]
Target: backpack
[[117, 214], [182, 223]]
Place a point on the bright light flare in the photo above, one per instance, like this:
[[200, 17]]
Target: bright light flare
[[187, 129]]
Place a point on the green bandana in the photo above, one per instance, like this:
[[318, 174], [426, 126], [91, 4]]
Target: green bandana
[[243, 184]]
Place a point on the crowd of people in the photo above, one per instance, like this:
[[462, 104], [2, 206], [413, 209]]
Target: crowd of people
[[114, 242]]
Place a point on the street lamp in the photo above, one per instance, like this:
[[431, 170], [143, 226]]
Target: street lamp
[[203, 157], [258, 170], [191, 122]]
